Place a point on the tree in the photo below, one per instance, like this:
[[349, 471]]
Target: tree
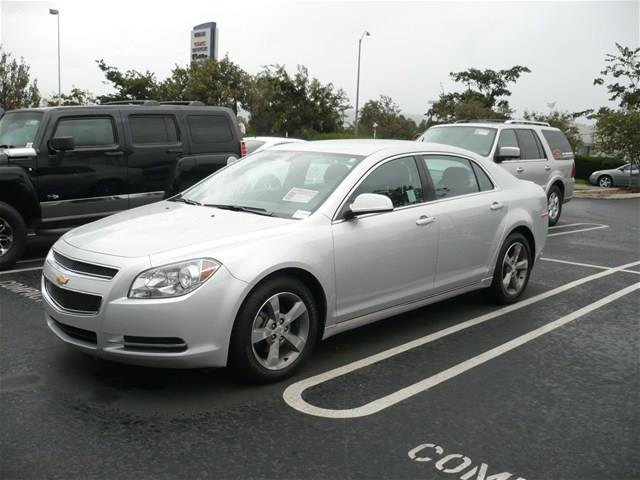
[[130, 85], [390, 122], [76, 97], [618, 131], [563, 120], [281, 104], [16, 89], [483, 96]]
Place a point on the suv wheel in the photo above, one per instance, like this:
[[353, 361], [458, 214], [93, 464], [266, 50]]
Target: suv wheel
[[13, 236], [554, 201], [605, 181], [512, 271], [275, 331]]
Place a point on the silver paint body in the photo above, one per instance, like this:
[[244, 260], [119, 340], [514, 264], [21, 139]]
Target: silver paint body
[[619, 176], [371, 267]]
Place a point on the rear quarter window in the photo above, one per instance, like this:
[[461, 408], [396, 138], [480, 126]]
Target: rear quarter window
[[209, 129], [559, 145], [153, 129]]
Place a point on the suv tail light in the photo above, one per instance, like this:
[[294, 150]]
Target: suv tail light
[[573, 169], [243, 149]]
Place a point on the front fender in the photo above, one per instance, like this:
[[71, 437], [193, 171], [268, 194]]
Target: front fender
[[17, 189]]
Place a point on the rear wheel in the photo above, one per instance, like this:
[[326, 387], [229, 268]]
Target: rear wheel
[[605, 181], [275, 331], [13, 236], [513, 269], [554, 201]]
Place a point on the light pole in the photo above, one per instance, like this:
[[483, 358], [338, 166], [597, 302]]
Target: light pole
[[57, 14], [364, 34]]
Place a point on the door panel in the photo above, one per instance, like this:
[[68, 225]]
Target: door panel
[[532, 165], [91, 179]]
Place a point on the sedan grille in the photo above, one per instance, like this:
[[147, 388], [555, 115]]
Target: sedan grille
[[73, 302], [83, 268]]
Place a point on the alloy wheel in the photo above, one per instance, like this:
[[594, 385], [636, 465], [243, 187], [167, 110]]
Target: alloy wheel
[[554, 205], [515, 268], [280, 331], [6, 236], [604, 182]]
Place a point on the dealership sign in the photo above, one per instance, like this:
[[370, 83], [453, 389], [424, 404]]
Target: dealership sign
[[204, 42]]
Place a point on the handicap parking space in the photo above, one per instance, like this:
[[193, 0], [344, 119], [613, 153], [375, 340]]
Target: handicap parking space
[[546, 388]]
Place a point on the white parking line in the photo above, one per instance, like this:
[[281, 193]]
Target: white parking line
[[293, 393], [588, 265], [18, 270], [595, 226], [568, 225]]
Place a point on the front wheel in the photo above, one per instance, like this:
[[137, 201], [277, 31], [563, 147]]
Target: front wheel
[[554, 202], [13, 236], [605, 181], [513, 269], [275, 331]]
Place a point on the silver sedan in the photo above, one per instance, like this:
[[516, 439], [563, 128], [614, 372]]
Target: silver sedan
[[255, 264], [616, 177]]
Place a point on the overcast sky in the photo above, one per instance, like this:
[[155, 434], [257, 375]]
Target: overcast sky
[[412, 48]]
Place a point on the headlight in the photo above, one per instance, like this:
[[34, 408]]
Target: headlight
[[173, 280]]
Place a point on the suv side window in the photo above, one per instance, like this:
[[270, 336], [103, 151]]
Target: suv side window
[[153, 129], [209, 128], [507, 139], [528, 146], [87, 131], [451, 176], [558, 143], [398, 179]]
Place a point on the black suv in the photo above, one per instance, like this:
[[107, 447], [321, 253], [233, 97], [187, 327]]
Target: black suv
[[64, 166]]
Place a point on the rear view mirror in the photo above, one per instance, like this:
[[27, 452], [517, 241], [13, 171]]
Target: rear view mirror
[[369, 203], [61, 144], [505, 153]]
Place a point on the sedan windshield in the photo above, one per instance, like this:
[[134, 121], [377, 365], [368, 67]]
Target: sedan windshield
[[280, 183], [18, 129], [476, 139]]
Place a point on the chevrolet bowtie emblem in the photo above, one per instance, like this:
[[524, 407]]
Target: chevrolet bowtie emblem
[[62, 280]]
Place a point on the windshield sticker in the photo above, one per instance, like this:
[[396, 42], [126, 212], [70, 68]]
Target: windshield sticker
[[301, 214], [299, 195], [481, 131]]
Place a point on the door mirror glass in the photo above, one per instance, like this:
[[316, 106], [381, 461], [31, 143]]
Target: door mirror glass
[[369, 203], [505, 153], [61, 144]]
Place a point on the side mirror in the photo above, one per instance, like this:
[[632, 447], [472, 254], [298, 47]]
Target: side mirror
[[505, 153], [369, 203], [62, 144], [231, 160]]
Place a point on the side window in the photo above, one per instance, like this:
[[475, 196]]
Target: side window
[[508, 139], [153, 129], [87, 131], [398, 179], [253, 145], [484, 182], [451, 176], [209, 128], [528, 145], [558, 143]]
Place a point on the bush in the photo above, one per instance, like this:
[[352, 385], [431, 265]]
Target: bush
[[586, 165]]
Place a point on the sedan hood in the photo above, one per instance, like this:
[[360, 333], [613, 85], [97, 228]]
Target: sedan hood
[[165, 226]]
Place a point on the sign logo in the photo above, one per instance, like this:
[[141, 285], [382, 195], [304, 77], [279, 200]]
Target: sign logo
[[62, 280]]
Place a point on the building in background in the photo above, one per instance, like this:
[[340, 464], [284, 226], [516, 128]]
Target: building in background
[[204, 42]]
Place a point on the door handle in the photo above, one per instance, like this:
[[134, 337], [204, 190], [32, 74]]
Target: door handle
[[116, 153], [425, 220], [496, 206], [519, 169], [174, 150], [547, 168]]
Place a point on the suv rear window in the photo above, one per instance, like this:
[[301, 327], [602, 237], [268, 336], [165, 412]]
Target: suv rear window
[[560, 147], [209, 128], [153, 129]]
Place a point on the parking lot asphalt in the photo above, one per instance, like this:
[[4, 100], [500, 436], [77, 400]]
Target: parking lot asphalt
[[465, 389]]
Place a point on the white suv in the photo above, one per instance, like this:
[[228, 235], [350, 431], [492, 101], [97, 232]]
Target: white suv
[[529, 150]]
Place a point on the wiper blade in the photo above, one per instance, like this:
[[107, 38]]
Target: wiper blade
[[185, 200], [240, 208]]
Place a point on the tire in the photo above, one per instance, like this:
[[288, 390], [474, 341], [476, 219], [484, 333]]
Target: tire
[[509, 293], [13, 236], [554, 202], [255, 323], [605, 181]]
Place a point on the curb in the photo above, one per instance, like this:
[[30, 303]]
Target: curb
[[604, 196]]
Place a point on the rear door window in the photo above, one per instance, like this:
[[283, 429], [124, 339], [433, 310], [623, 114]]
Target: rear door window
[[209, 129], [451, 176], [558, 143], [528, 145], [87, 131], [153, 129]]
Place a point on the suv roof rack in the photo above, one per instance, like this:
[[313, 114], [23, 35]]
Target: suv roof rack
[[483, 120], [192, 103], [131, 102], [528, 122]]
